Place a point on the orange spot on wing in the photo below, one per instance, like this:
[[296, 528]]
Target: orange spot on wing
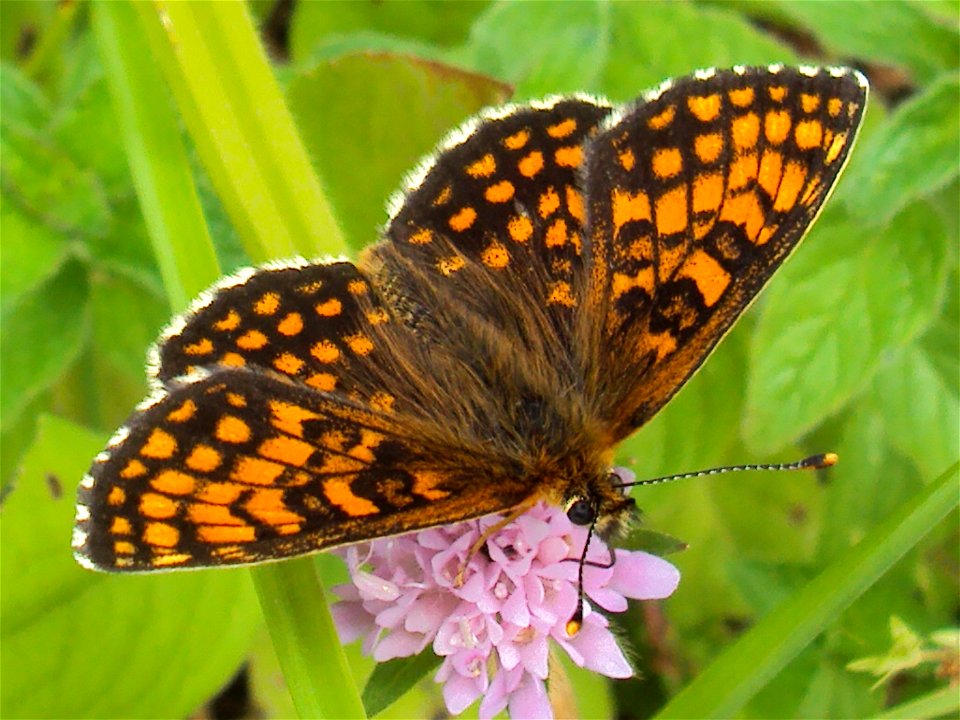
[[255, 471], [705, 108], [666, 162], [203, 458], [745, 130], [707, 192], [291, 325], [221, 493], [836, 147], [776, 126], [232, 429], [184, 412], [743, 171], [289, 451], [570, 156], [120, 526], [230, 322], [790, 185], [322, 381], [710, 277], [426, 484], [329, 308], [157, 506], [556, 233], [268, 304], [808, 134], [495, 256], [531, 164], [382, 401], [463, 219], [624, 283], [289, 418], [117, 496], [777, 93], [232, 359], [133, 469], [288, 363], [450, 265], [122, 547], [267, 506], [252, 340], [325, 351], [517, 140], [421, 237], [499, 192], [671, 211], [340, 494], [741, 97], [629, 207], [562, 129], [561, 294], [834, 106], [744, 210], [174, 482], [809, 103], [574, 203], [708, 147], [201, 347], [663, 118], [549, 203], [520, 228], [627, 159], [357, 287], [771, 168], [160, 445], [161, 534], [359, 344], [225, 534], [484, 167]]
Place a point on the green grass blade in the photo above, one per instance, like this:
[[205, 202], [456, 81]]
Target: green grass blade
[[305, 640], [939, 703], [723, 688], [156, 154], [245, 136], [290, 593]]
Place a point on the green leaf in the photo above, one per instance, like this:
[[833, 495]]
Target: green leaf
[[845, 301], [911, 156], [23, 103], [721, 689], [42, 335], [363, 141], [80, 644], [942, 703], [392, 679], [542, 47], [32, 253], [892, 32], [423, 20], [652, 41]]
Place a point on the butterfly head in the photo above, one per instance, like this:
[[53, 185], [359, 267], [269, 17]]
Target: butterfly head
[[599, 503]]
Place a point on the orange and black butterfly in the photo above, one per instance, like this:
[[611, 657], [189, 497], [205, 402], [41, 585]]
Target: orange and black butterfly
[[544, 286]]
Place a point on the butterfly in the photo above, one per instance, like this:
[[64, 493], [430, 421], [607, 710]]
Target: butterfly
[[546, 282]]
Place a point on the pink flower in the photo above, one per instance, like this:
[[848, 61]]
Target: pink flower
[[493, 631]]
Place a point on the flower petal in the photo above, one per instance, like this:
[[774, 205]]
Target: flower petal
[[643, 576]]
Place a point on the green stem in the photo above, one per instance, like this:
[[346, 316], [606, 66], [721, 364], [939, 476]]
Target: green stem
[[733, 678]]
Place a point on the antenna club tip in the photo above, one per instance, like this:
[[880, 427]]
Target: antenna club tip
[[823, 460], [573, 627]]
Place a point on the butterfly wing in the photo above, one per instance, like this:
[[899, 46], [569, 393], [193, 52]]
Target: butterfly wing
[[696, 196], [242, 467]]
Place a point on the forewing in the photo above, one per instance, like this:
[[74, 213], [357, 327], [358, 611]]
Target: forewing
[[696, 196], [241, 467]]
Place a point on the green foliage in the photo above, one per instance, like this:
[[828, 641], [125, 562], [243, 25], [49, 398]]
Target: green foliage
[[107, 204]]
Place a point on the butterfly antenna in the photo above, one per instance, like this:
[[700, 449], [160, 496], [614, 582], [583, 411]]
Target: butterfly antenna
[[814, 462], [576, 620]]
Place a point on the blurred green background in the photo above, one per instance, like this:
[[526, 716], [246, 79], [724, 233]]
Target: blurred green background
[[853, 347]]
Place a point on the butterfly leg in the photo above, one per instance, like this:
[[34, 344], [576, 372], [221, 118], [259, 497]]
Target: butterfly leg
[[491, 531]]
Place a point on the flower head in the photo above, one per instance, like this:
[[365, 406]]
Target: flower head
[[493, 631]]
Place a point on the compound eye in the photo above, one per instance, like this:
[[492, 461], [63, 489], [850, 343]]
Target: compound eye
[[581, 512]]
